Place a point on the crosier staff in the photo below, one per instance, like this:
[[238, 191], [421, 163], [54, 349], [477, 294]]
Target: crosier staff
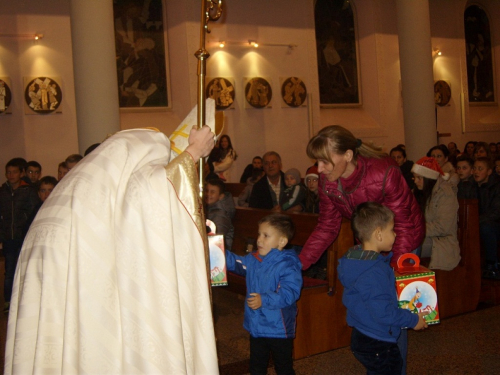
[[211, 10]]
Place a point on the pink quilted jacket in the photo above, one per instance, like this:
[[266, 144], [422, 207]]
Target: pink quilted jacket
[[377, 180]]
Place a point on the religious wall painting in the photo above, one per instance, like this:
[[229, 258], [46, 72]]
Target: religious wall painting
[[141, 54], [293, 92], [258, 92], [42, 95], [221, 89], [442, 93], [479, 55], [5, 95], [337, 53]]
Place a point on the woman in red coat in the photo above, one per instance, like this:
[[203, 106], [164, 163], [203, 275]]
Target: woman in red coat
[[351, 173]]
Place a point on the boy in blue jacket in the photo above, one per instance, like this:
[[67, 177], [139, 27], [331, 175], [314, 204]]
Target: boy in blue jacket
[[370, 292], [274, 281]]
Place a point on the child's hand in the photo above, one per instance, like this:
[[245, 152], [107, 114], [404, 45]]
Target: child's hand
[[421, 321], [255, 301]]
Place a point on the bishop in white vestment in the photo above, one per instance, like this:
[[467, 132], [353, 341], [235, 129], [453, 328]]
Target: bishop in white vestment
[[112, 276]]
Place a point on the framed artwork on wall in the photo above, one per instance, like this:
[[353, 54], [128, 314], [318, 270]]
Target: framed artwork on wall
[[5, 95], [141, 54], [221, 89], [258, 92], [42, 95], [479, 55], [293, 92], [337, 53], [442, 93]]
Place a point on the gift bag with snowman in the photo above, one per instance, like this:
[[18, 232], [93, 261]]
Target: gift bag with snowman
[[218, 270]]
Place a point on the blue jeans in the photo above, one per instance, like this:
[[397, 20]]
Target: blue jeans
[[11, 250], [379, 357]]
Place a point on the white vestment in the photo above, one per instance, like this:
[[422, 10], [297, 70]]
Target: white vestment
[[112, 277]]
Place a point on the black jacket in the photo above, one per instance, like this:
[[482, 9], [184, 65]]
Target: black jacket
[[261, 193], [16, 206], [489, 200]]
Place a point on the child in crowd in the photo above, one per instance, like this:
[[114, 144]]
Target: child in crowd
[[467, 187], [248, 172], [61, 170], [44, 187], [311, 202], [497, 165], [244, 197], [370, 293], [18, 199], [274, 280], [72, 160], [488, 194], [220, 209], [34, 171], [294, 193], [399, 155]]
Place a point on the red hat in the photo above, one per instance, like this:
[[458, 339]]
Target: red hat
[[429, 168], [312, 172]]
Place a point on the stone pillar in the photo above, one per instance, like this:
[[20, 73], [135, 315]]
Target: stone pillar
[[94, 63], [415, 53]]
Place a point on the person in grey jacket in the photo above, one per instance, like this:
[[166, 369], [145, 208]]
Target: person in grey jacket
[[220, 209], [439, 203]]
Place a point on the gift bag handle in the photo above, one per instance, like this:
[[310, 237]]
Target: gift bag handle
[[406, 256]]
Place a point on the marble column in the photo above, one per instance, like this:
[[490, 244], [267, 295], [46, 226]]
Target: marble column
[[415, 53], [94, 63]]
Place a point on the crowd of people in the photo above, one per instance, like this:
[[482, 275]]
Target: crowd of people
[[394, 204]]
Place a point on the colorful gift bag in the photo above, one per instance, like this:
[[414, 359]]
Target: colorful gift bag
[[416, 288], [218, 270]]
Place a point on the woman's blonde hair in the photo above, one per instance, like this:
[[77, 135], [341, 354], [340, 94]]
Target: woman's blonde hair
[[337, 139]]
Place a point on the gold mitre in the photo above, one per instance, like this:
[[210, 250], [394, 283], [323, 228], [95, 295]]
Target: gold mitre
[[179, 138]]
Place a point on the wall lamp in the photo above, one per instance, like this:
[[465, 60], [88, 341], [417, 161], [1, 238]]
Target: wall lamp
[[22, 36], [255, 44], [436, 52]]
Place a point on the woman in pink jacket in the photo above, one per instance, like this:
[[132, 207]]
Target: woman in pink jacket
[[351, 173]]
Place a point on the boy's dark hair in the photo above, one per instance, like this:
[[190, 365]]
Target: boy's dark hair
[[17, 162], [282, 223], [465, 158], [257, 157], [48, 180], [91, 148], [35, 164], [62, 164], [369, 216], [219, 183], [74, 158], [486, 161], [400, 149]]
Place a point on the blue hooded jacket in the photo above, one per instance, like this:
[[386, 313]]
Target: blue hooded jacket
[[277, 277], [370, 295]]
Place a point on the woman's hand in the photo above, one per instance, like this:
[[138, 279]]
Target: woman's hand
[[201, 142]]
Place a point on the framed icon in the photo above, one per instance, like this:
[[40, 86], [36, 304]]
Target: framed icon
[[442, 93], [5, 95], [42, 95], [258, 92], [221, 89], [293, 92]]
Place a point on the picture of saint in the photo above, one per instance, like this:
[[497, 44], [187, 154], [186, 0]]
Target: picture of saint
[[43, 95], [5, 96], [222, 91], [293, 91], [258, 92]]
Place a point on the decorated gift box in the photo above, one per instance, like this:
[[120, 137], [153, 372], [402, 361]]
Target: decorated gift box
[[416, 288], [218, 271]]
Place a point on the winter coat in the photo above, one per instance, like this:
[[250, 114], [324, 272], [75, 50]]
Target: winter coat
[[222, 167], [377, 180], [441, 226], [277, 277], [454, 179], [370, 295], [262, 196], [467, 189], [222, 214], [489, 201], [16, 207]]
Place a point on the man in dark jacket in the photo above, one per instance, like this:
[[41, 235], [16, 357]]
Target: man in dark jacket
[[266, 193], [17, 201]]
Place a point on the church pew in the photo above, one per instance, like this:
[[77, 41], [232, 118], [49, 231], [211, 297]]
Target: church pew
[[321, 319], [235, 188]]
